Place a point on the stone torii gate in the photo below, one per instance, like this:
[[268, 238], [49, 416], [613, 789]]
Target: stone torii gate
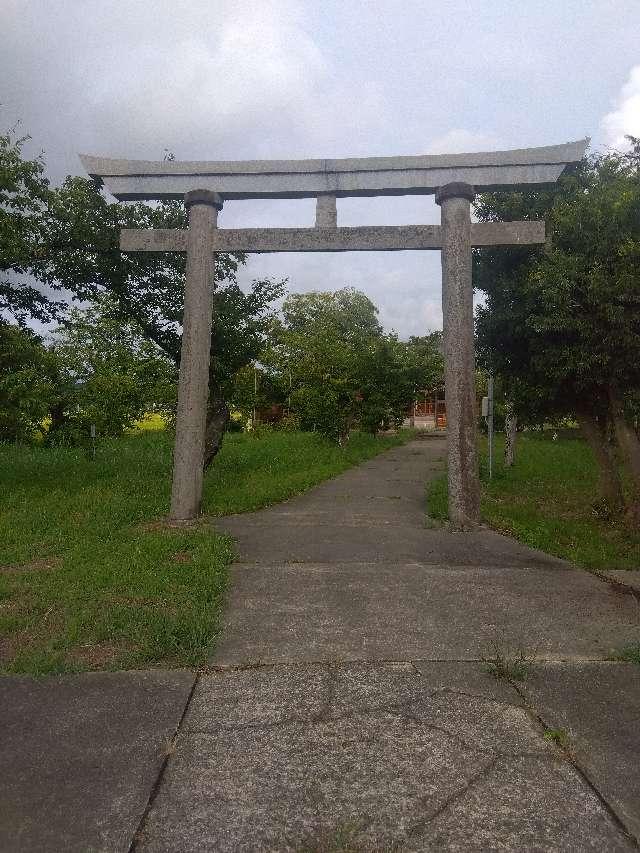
[[453, 178]]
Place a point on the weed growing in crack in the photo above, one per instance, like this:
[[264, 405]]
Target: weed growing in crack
[[628, 653], [509, 666], [558, 736]]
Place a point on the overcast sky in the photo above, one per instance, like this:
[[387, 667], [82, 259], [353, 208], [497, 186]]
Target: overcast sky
[[211, 79]]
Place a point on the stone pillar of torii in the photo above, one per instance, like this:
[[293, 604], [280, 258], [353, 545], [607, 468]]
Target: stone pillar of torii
[[454, 179]]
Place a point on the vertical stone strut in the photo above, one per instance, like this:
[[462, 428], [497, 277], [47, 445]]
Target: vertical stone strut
[[326, 211], [457, 310], [193, 386]]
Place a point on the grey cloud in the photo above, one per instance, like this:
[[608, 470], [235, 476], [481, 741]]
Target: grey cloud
[[295, 78]]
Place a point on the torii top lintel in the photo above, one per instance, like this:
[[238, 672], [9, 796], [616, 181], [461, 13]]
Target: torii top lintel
[[141, 180]]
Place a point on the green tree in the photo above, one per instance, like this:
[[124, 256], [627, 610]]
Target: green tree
[[392, 373], [562, 326], [256, 389], [24, 195], [110, 375], [82, 254], [343, 370], [322, 340], [29, 384], [427, 362]]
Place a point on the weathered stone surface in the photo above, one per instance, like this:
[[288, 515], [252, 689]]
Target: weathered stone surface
[[598, 706], [153, 239], [139, 179], [568, 152], [459, 360], [388, 611], [80, 755], [373, 513], [368, 536], [408, 754], [326, 211], [475, 707], [391, 763], [362, 238], [525, 803], [267, 695], [466, 677], [193, 384], [206, 197]]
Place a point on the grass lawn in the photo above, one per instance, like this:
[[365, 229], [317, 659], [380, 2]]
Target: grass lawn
[[547, 501], [85, 584]]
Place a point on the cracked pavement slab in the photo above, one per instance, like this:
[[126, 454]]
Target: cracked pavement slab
[[597, 705], [395, 757], [79, 755], [278, 613]]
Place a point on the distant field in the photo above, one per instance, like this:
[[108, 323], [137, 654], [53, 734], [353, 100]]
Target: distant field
[[86, 584], [547, 500]]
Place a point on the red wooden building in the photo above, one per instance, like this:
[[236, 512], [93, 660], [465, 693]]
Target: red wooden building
[[429, 411]]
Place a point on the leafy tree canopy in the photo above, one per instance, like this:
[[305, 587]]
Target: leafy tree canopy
[[29, 383], [563, 325], [339, 369], [110, 375], [24, 195], [83, 256]]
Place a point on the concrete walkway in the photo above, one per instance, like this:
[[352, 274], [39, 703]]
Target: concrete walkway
[[347, 707]]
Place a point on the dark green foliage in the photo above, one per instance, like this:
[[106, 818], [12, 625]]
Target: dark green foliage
[[24, 196], [510, 665], [110, 374], [559, 737], [29, 383], [83, 255], [630, 654], [337, 369], [560, 326], [67, 240]]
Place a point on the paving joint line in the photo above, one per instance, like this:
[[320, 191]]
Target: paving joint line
[[155, 788], [259, 664], [293, 561]]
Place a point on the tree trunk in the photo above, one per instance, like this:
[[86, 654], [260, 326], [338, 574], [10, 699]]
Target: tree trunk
[[596, 437], [217, 420], [630, 448], [58, 417], [510, 428]]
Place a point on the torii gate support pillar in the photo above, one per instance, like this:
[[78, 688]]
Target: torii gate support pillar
[[458, 336], [193, 384]]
